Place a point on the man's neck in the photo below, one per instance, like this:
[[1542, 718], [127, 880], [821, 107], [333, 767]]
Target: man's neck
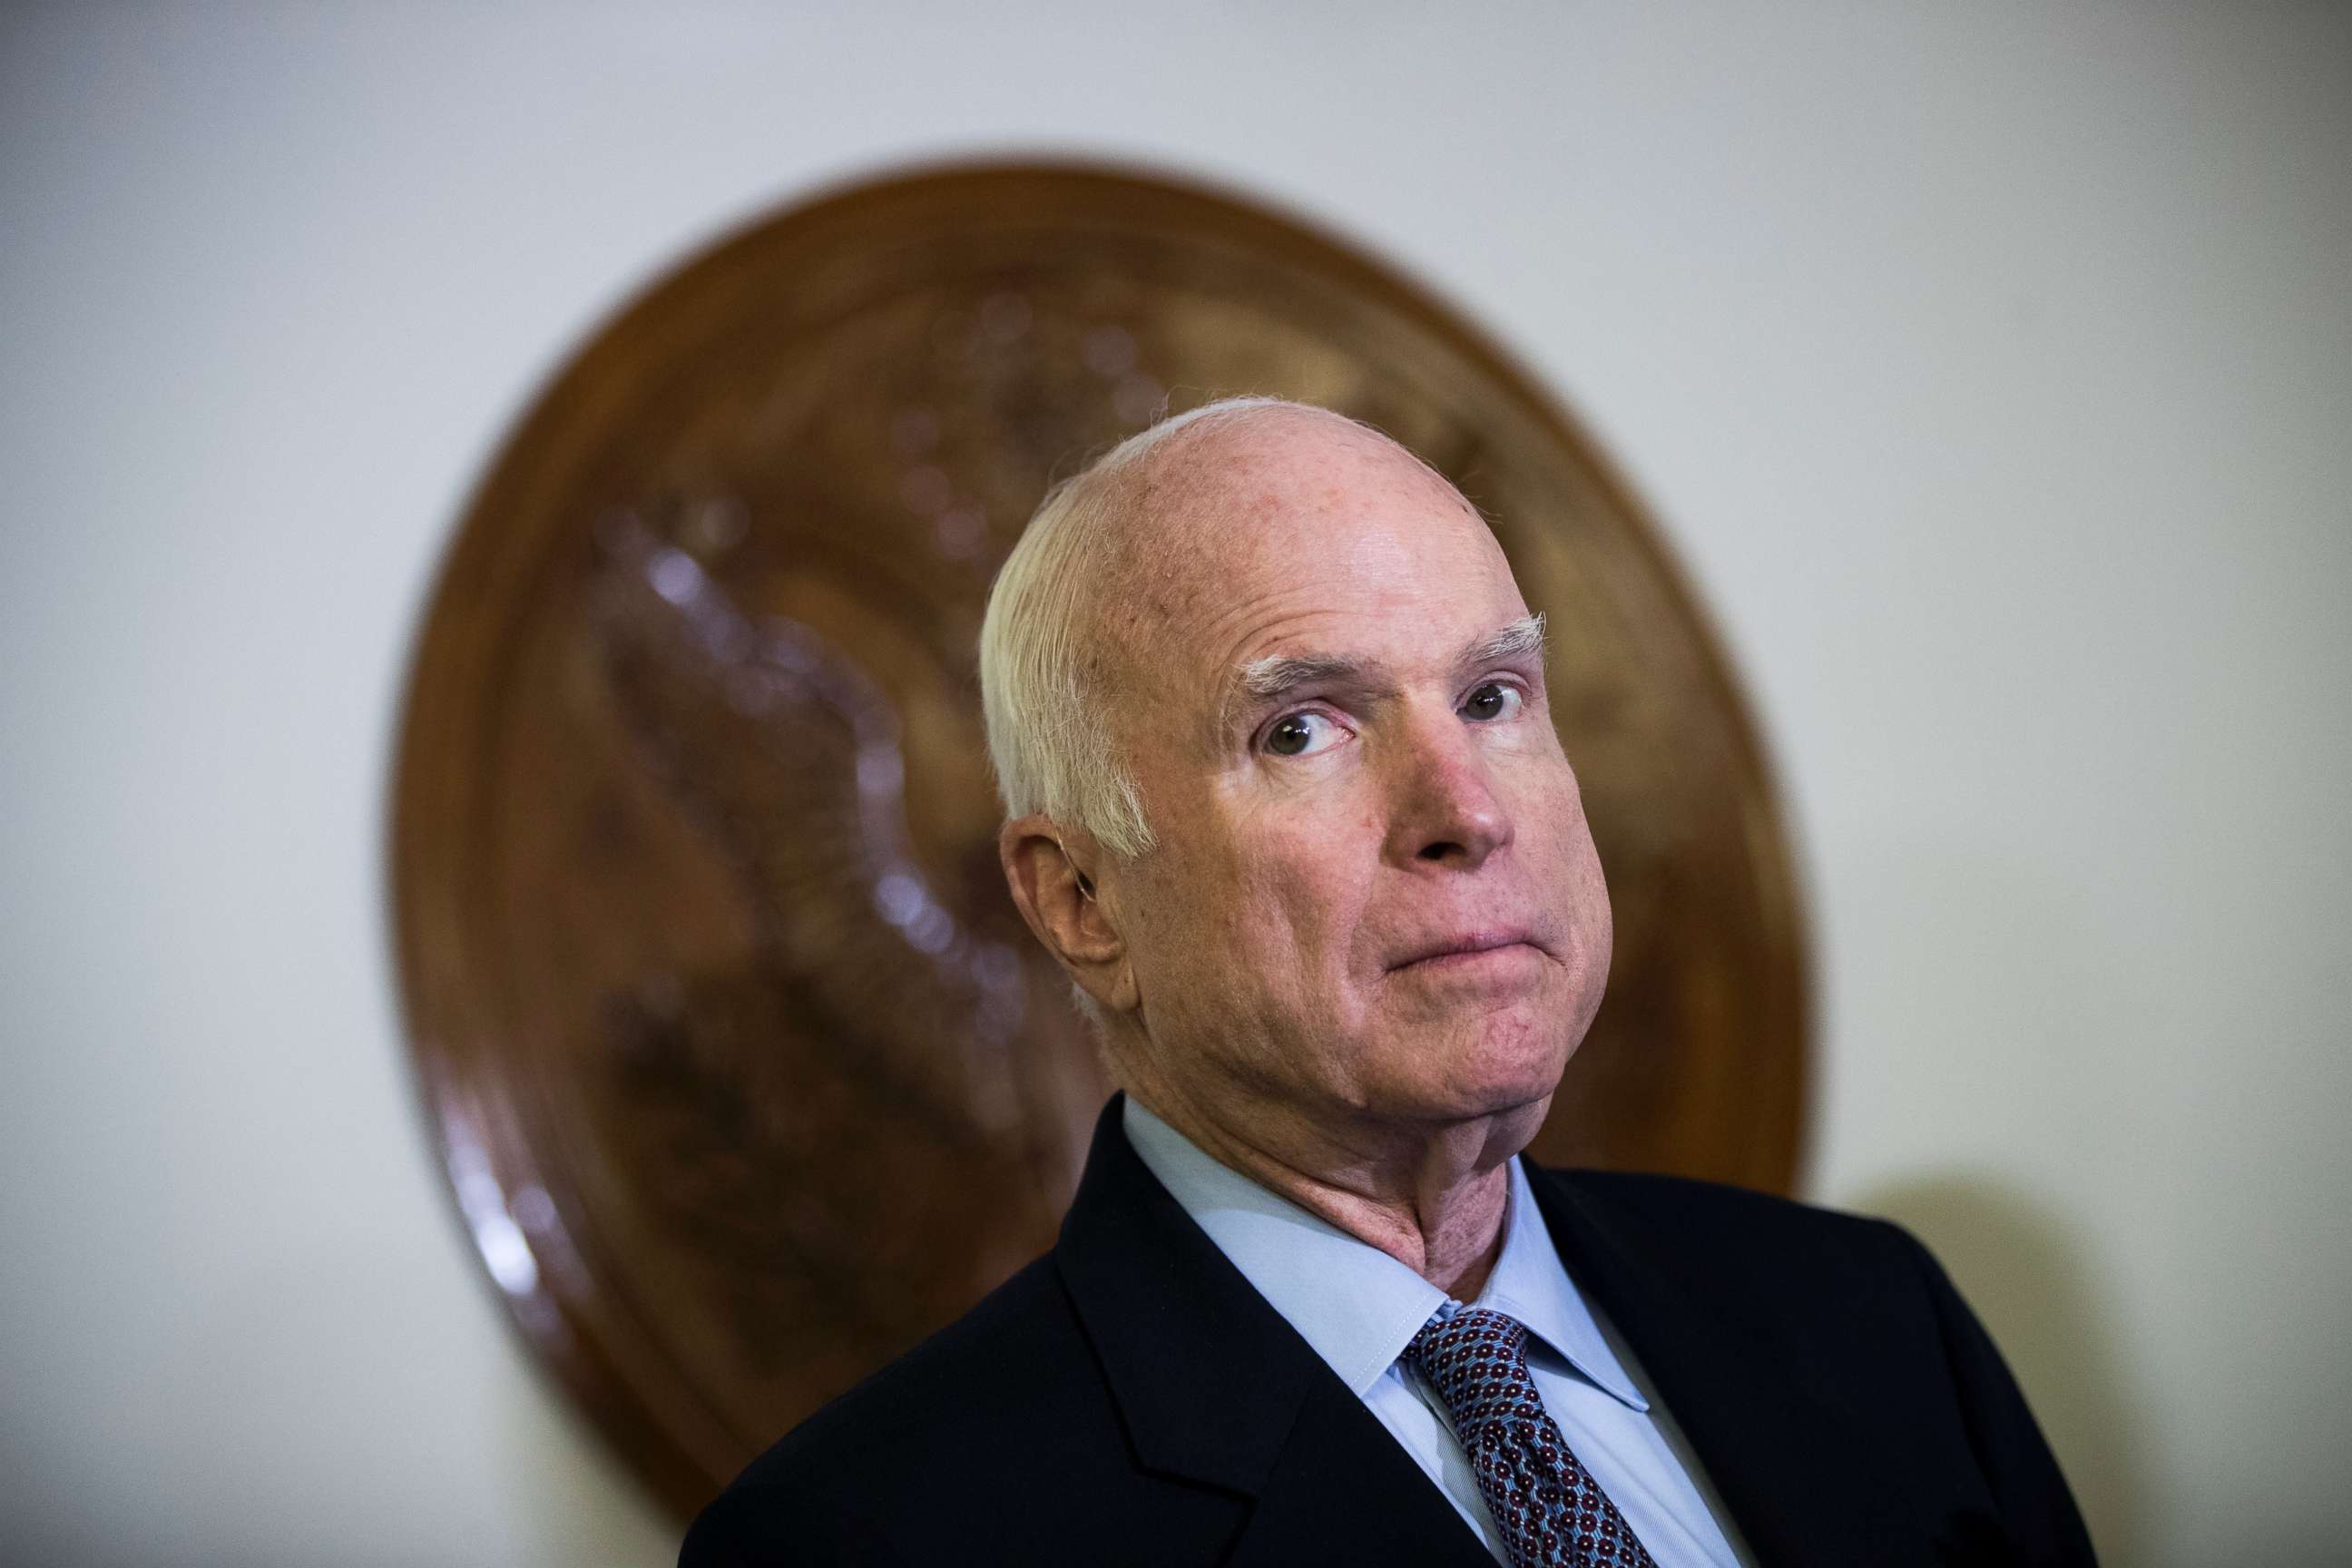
[[1434, 1199]]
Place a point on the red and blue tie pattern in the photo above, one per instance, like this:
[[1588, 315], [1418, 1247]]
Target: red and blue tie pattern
[[1549, 1509]]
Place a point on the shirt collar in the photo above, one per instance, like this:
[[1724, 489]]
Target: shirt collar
[[1531, 1285], [1354, 1304]]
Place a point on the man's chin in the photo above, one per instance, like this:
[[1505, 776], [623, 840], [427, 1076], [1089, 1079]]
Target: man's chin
[[1506, 1090], [1505, 1058]]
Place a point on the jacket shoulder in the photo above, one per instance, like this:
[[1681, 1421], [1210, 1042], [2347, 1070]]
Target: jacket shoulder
[[1651, 1191], [1857, 1311], [1766, 1258], [931, 1423], [996, 1440], [1713, 1214], [1020, 1337]]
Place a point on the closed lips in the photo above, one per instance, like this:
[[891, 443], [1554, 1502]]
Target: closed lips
[[1463, 947]]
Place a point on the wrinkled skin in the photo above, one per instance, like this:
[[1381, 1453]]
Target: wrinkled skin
[[1274, 971]]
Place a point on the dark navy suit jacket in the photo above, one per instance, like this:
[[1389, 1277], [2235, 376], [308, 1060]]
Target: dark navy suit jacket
[[1129, 1399]]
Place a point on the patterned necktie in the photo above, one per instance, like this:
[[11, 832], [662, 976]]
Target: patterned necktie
[[1550, 1510]]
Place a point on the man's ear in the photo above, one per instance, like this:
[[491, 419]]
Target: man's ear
[[1053, 873]]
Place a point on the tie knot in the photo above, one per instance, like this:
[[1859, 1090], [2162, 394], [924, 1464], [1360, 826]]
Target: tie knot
[[1476, 1361]]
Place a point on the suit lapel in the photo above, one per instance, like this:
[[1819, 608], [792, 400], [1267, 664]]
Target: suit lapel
[[1801, 1479], [1344, 1490], [1216, 1389]]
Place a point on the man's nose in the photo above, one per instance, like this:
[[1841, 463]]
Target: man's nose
[[1445, 811]]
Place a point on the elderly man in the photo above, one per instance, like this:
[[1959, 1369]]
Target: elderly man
[[1286, 802]]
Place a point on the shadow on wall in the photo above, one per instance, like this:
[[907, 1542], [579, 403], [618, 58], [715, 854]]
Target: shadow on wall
[[2025, 1276]]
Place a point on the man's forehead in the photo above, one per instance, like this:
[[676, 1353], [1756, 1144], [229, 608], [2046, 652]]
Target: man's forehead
[[1293, 463], [1206, 545], [1360, 607], [1251, 513]]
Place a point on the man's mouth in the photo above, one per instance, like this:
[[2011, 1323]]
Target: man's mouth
[[1467, 950]]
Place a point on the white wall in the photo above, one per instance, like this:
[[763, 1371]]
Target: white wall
[[1991, 367]]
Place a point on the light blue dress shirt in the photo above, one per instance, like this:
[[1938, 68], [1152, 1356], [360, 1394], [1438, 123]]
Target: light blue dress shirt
[[1358, 1308]]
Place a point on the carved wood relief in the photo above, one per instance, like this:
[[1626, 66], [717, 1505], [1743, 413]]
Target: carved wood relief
[[745, 1073]]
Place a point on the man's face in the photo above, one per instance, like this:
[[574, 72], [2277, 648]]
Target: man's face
[[1374, 891]]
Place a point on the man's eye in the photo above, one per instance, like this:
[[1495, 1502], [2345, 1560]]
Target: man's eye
[[1492, 701], [1301, 734]]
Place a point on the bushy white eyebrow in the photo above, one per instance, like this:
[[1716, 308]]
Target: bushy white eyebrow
[[1523, 637], [1268, 680]]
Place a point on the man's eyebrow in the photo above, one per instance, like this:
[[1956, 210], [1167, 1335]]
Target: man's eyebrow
[[1514, 643], [1269, 679], [1264, 682], [1260, 683]]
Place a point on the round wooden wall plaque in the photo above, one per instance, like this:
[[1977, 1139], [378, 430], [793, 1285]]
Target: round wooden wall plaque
[[745, 1072]]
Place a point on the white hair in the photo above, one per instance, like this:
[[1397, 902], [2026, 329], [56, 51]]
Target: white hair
[[1041, 674]]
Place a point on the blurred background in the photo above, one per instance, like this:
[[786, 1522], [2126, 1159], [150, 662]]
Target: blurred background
[[1989, 368]]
